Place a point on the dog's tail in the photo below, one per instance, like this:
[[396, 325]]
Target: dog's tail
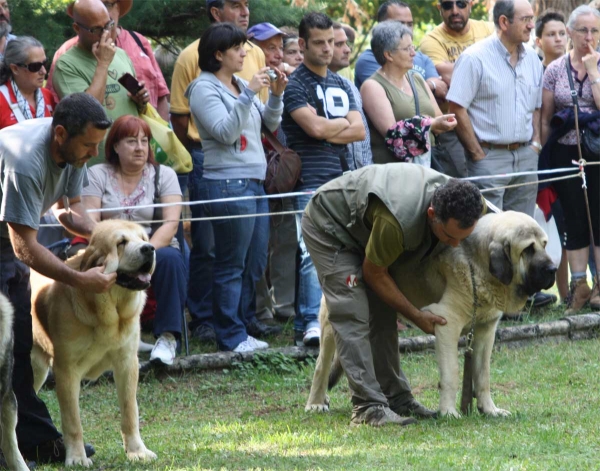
[[336, 372]]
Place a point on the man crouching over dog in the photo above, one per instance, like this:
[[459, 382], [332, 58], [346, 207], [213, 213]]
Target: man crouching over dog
[[355, 228], [43, 161]]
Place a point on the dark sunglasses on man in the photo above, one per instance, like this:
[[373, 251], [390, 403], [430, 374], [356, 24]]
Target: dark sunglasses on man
[[98, 30], [35, 66], [460, 4]]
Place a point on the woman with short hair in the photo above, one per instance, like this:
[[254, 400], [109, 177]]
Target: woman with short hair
[[22, 74], [228, 115], [388, 96]]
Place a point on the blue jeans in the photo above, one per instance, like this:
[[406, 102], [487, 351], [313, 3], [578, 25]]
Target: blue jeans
[[308, 289], [202, 255], [169, 284], [182, 178], [240, 255]]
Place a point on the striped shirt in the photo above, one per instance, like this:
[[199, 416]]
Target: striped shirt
[[360, 151], [320, 159], [500, 99]]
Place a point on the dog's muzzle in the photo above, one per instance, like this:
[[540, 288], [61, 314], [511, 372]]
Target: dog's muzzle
[[540, 278], [140, 280]]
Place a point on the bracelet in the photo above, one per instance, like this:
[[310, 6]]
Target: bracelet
[[536, 144], [594, 82], [432, 83]]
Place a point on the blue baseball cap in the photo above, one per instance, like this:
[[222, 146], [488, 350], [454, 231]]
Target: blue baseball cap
[[264, 31]]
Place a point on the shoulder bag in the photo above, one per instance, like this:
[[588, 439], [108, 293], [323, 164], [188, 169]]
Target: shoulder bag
[[590, 141], [283, 166]]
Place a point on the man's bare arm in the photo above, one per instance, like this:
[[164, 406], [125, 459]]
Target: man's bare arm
[[385, 287], [75, 219], [353, 133], [32, 253], [445, 70], [466, 133], [318, 127], [180, 123]]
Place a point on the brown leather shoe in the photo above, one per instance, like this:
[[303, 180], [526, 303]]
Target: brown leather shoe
[[579, 295]]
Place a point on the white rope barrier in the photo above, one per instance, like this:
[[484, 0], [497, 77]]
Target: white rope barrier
[[578, 169]]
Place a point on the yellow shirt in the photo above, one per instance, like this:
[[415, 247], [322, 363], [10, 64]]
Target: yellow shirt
[[386, 242], [347, 72], [186, 70], [441, 47]]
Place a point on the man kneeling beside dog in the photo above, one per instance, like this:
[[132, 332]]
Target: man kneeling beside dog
[[379, 240]]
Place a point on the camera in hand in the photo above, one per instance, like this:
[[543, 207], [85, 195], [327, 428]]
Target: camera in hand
[[272, 74]]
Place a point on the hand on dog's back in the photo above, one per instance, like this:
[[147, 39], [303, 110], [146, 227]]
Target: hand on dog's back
[[95, 280]]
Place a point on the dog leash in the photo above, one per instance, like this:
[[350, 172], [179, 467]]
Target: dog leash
[[466, 401]]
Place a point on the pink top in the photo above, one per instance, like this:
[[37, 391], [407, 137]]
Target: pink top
[[146, 67], [556, 80]]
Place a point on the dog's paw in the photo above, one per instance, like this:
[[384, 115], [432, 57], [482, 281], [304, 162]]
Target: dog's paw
[[496, 412], [451, 412], [317, 408], [141, 455], [75, 461]]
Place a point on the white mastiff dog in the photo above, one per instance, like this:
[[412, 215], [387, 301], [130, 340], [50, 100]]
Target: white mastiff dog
[[510, 263]]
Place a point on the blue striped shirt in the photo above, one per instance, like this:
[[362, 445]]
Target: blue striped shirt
[[500, 99], [320, 159]]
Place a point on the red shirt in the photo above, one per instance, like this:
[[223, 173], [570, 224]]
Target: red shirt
[[7, 117]]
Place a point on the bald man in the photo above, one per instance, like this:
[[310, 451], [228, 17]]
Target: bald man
[[95, 65]]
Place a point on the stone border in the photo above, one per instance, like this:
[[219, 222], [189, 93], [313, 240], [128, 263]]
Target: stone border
[[580, 327]]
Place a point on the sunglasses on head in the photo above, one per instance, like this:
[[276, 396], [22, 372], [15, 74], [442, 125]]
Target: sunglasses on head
[[35, 66], [461, 4]]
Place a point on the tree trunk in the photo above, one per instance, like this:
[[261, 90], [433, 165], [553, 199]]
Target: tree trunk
[[564, 6]]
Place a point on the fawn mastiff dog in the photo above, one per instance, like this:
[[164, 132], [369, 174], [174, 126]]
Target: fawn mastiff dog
[[8, 417], [82, 334], [509, 261]]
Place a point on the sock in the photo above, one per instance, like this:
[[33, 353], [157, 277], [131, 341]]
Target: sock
[[577, 275]]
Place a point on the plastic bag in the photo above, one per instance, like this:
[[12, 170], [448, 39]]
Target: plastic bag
[[554, 249], [168, 149]]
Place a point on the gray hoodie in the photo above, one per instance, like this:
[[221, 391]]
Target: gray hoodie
[[229, 127]]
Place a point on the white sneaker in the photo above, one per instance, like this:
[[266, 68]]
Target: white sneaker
[[312, 337], [164, 349], [144, 347], [257, 344], [244, 347]]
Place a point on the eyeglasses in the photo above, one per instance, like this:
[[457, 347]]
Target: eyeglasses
[[98, 30], [526, 19], [461, 5], [410, 48], [35, 66], [585, 31]]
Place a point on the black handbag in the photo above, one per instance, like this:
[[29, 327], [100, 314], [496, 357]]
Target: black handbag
[[590, 140]]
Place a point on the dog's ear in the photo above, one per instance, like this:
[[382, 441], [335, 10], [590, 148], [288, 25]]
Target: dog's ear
[[111, 263], [92, 257], [500, 263]]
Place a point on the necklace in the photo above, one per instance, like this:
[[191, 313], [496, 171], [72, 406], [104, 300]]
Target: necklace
[[392, 80]]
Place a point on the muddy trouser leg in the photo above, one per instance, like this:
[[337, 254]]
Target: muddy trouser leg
[[386, 357], [340, 275]]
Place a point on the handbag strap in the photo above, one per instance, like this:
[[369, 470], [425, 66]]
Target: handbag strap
[[13, 106], [137, 40], [571, 83], [321, 112], [156, 184], [409, 74]]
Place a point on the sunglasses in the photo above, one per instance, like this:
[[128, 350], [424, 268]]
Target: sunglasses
[[98, 30], [461, 4], [35, 66]]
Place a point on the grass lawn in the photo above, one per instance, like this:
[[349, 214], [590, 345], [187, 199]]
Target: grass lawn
[[252, 417]]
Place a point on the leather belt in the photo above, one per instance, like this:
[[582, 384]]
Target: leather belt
[[512, 146]]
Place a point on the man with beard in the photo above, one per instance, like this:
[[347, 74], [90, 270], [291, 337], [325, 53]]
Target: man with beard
[[42, 163], [444, 45], [5, 27], [319, 120]]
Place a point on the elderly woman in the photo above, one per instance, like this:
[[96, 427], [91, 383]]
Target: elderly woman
[[292, 54], [583, 64], [228, 115], [22, 74], [388, 96], [131, 178]]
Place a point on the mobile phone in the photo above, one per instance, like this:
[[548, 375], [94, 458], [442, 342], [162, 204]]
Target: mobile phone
[[130, 83]]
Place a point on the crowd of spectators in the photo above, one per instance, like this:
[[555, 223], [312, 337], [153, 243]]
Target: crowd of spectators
[[486, 100]]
